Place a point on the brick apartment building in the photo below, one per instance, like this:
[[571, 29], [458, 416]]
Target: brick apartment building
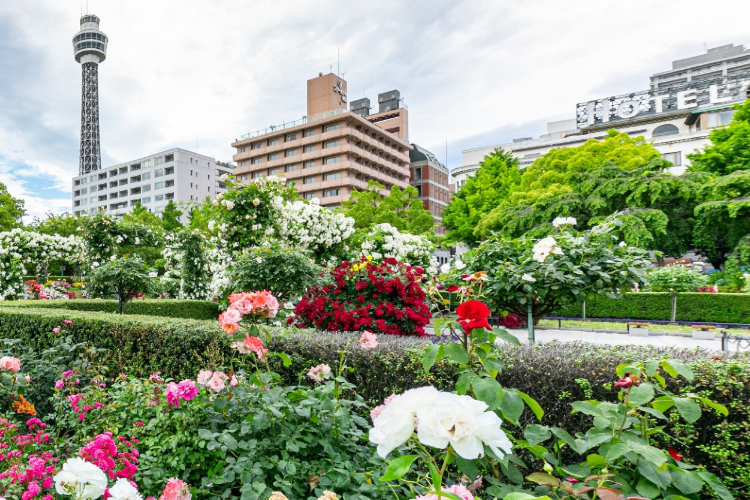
[[430, 177]]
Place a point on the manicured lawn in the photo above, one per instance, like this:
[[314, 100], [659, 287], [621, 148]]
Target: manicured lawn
[[614, 325]]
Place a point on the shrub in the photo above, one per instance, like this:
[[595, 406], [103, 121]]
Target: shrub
[[385, 241], [286, 272], [703, 307], [186, 309], [675, 279], [125, 278], [384, 298]]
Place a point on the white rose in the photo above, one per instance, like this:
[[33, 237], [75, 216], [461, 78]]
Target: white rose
[[395, 424], [83, 479], [445, 268], [223, 177], [229, 204], [559, 221], [153, 275], [123, 490], [464, 423], [528, 277], [623, 244]]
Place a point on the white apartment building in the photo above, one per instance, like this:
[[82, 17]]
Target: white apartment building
[[175, 174], [676, 114]]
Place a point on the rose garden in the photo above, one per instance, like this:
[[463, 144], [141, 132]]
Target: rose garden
[[275, 349]]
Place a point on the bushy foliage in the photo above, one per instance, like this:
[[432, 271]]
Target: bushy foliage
[[286, 272], [675, 279], [186, 255], [168, 308], [11, 210], [126, 278], [385, 241], [321, 231], [383, 298], [555, 271]]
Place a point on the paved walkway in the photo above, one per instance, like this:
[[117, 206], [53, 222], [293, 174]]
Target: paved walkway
[[546, 335]]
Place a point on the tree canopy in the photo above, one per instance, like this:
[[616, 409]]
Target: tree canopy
[[170, 217], [497, 178], [400, 208], [11, 210], [729, 150]]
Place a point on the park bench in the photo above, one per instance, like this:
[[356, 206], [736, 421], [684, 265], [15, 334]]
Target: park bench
[[638, 328], [704, 332]]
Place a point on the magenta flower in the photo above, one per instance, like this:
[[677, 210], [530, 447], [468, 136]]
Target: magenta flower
[[187, 390], [59, 384]]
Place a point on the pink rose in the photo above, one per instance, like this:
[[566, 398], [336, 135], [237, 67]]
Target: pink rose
[[10, 363], [375, 412], [176, 489], [319, 373], [217, 383], [243, 306], [28, 379], [56, 330], [187, 390], [233, 381], [204, 376], [171, 394], [368, 341], [231, 315], [59, 384]]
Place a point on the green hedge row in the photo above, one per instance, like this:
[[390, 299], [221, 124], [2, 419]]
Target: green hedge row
[[187, 309], [704, 307], [555, 374]]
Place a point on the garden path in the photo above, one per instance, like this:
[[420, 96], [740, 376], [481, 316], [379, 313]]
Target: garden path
[[546, 335]]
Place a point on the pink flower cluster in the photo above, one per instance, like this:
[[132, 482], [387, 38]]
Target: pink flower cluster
[[459, 490], [34, 475], [176, 489], [216, 381], [103, 453], [319, 373], [251, 345], [368, 341], [78, 404], [185, 391], [10, 364], [260, 304]]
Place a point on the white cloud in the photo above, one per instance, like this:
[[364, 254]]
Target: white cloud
[[180, 72]]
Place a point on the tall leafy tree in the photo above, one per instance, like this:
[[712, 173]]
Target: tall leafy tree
[[497, 178], [723, 220], [595, 180], [399, 208], [141, 215], [63, 224], [11, 210], [170, 217]]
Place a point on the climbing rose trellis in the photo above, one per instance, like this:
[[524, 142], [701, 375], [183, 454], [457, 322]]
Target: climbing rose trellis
[[315, 228], [387, 241], [19, 248]]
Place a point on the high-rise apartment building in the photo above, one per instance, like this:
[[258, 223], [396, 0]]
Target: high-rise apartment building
[[430, 177], [331, 150], [175, 174]]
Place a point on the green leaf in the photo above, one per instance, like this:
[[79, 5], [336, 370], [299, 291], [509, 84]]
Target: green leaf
[[493, 366], [642, 394], [220, 403], [512, 405], [512, 473], [716, 485], [716, 406], [398, 467], [489, 391], [647, 489], [435, 475], [467, 467], [685, 481], [533, 405], [285, 359], [430, 357], [579, 471], [678, 367], [650, 472], [229, 441], [652, 367], [536, 434], [565, 437], [457, 353], [663, 403], [464, 382], [689, 409], [508, 337], [596, 461], [617, 451], [543, 479]]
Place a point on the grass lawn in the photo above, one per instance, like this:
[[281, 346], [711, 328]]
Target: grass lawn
[[614, 325]]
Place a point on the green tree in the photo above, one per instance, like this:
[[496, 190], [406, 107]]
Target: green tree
[[201, 214], [729, 150], [170, 217], [595, 180], [63, 224], [126, 278], [143, 216], [497, 178], [11, 210], [400, 208]]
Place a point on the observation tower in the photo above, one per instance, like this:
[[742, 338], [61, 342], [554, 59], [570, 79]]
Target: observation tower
[[89, 49]]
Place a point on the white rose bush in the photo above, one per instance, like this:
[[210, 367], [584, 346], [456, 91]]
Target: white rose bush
[[386, 241], [311, 227]]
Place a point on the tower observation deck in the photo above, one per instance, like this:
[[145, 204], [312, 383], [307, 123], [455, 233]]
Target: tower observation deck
[[89, 49]]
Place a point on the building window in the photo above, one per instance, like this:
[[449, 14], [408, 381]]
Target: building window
[[273, 157], [309, 149], [159, 160], [257, 145], [330, 177], [159, 185], [123, 182], [331, 192], [309, 133], [332, 144], [256, 161], [168, 158], [147, 199], [335, 159], [243, 164], [170, 184], [257, 175], [113, 184], [146, 176], [668, 129], [309, 164], [291, 137], [146, 187], [309, 180], [674, 158], [309, 196], [92, 178], [159, 197], [135, 191], [84, 190], [135, 178], [112, 195], [273, 171], [291, 168], [418, 174], [147, 163], [158, 172], [331, 128], [719, 119], [92, 189], [291, 152], [169, 196], [243, 177], [419, 189], [273, 142], [169, 170], [113, 173], [243, 150]]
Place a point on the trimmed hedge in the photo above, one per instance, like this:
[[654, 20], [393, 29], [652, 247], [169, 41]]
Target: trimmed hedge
[[188, 309], [703, 307]]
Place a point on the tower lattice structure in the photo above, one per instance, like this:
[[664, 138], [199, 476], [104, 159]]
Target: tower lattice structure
[[89, 49]]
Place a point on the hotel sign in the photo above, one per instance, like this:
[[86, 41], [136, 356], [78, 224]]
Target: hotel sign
[[684, 96]]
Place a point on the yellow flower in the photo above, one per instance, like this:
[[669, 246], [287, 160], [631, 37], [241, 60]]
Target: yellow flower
[[369, 258]]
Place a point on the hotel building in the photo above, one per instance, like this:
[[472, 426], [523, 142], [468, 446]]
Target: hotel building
[[676, 114], [331, 151], [175, 174]]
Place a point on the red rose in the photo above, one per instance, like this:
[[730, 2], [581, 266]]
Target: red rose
[[473, 314], [452, 288], [674, 454]]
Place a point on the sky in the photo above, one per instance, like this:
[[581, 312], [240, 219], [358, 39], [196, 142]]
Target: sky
[[197, 74]]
